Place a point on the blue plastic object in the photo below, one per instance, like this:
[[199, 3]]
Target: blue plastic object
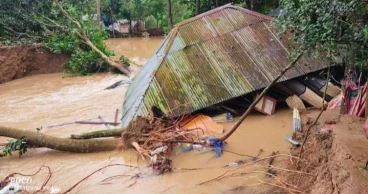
[[217, 146], [229, 116]]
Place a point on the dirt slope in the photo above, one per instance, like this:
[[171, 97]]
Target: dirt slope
[[17, 62], [335, 158]]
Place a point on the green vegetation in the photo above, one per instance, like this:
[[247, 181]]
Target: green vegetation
[[337, 26], [181, 9], [151, 22], [14, 145], [83, 60], [124, 60], [44, 22]]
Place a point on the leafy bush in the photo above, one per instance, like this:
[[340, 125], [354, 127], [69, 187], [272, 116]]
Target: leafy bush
[[83, 60], [14, 145], [125, 61], [151, 22]]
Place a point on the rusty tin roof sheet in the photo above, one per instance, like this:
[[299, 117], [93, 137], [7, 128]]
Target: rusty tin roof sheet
[[221, 54]]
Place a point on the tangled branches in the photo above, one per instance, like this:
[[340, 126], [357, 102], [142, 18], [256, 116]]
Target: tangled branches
[[276, 182], [146, 134]]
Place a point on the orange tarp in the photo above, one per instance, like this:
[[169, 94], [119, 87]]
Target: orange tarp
[[203, 122]]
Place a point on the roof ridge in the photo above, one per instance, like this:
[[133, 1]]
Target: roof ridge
[[229, 5], [172, 34]]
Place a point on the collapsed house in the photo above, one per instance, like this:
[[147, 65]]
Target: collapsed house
[[216, 56]]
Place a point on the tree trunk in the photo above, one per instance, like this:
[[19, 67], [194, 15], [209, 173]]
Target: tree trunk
[[99, 134], [233, 129], [98, 7], [130, 26], [249, 4], [198, 7], [88, 42], [169, 14], [62, 144], [217, 3]]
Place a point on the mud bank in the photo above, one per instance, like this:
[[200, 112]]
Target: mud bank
[[335, 159], [20, 61]]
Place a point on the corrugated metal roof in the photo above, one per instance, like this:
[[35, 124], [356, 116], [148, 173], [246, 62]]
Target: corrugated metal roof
[[221, 54]]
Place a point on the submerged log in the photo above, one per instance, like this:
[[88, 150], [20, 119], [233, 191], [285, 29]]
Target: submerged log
[[38, 139]]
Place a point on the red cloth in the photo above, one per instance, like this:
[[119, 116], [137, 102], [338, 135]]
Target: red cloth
[[349, 103]]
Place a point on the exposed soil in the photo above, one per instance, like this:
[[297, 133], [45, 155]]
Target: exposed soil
[[336, 158], [20, 61]]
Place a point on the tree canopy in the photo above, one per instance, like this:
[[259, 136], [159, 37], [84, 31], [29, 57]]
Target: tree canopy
[[340, 26], [337, 25]]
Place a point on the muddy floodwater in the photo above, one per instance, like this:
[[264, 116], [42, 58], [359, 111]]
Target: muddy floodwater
[[138, 50], [49, 100]]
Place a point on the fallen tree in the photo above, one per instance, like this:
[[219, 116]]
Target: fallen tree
[[37, 139], [83, 36], [99, 134], [143, 134]]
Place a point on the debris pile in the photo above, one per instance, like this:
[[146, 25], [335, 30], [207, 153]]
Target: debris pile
[[153, 138]]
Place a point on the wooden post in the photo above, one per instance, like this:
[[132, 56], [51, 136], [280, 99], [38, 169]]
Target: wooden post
[[198, 7], [169, 14], [98, 7]]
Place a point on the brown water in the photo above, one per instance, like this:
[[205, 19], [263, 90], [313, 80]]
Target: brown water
[[45, 100], [138, 50]]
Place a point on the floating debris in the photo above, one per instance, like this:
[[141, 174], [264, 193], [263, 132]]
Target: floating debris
[[203, 123]]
